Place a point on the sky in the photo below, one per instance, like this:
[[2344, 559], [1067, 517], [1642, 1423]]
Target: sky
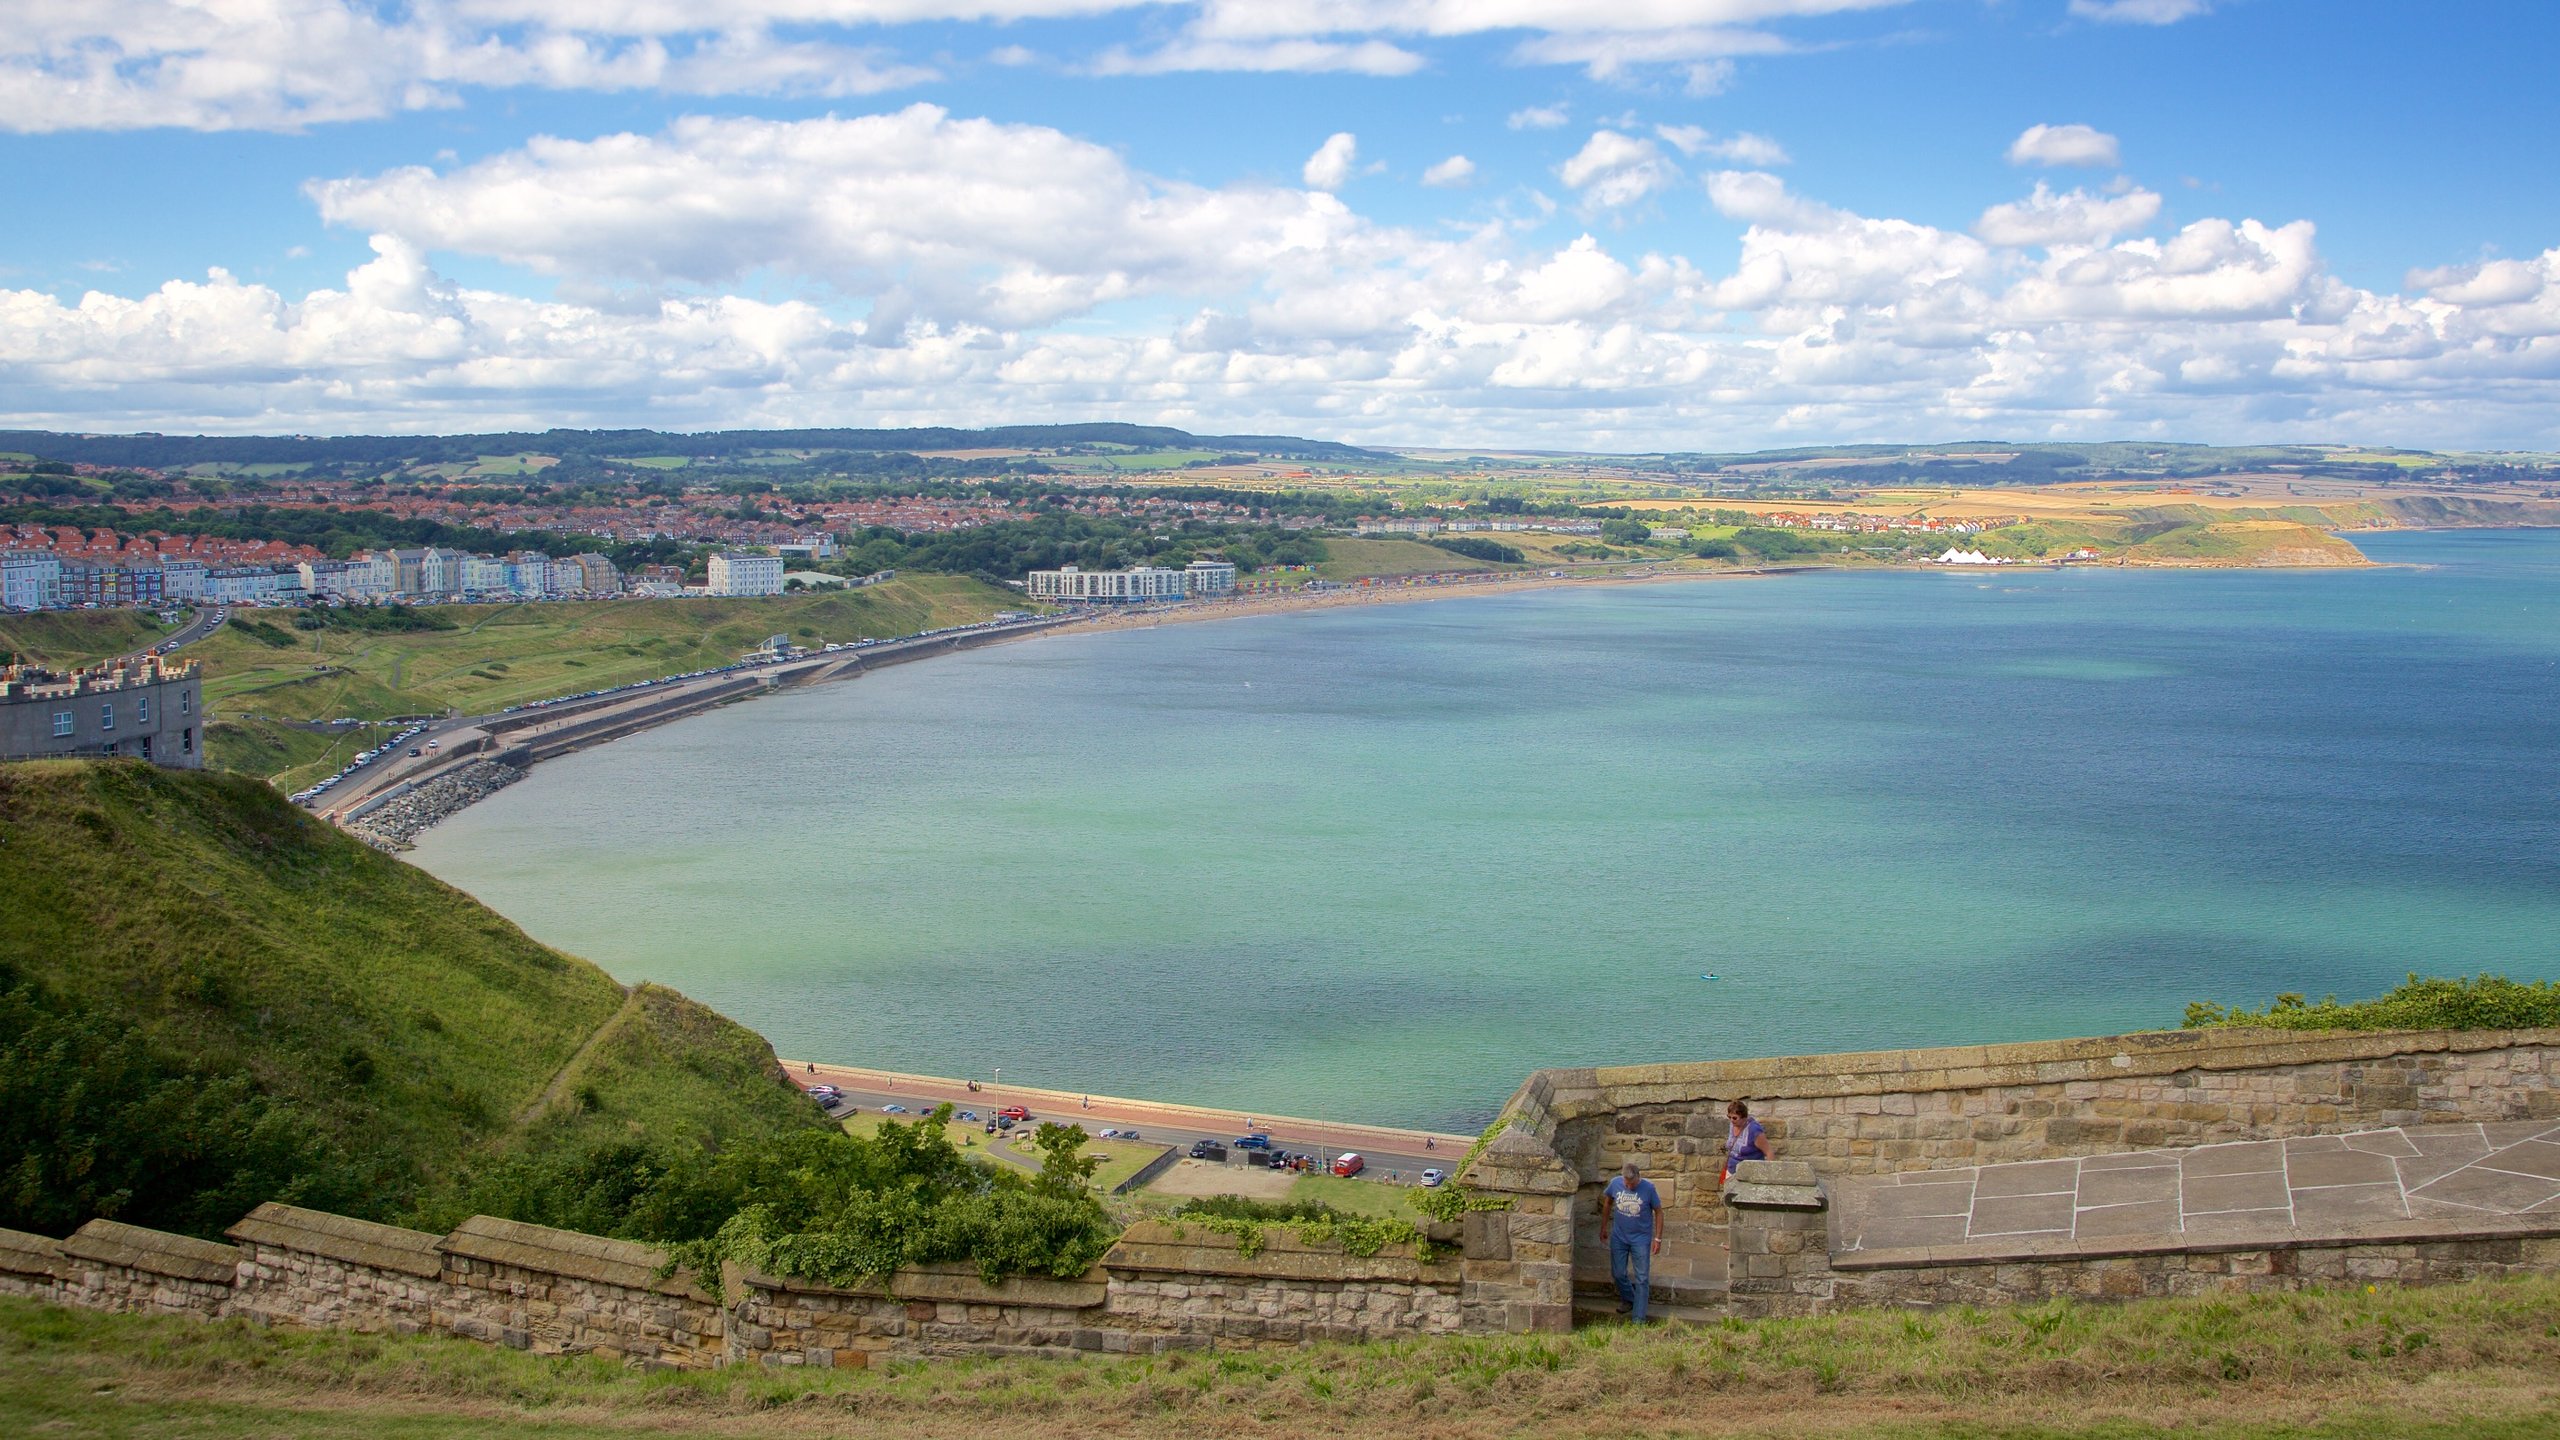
[[1636, 225]]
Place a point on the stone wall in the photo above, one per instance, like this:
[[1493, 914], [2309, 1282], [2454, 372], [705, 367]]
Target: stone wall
[[555, 1292], [1173, 1280], [1565, 1131]]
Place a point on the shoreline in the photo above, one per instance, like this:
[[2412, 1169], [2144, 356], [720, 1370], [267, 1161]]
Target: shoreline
[[1075, 1106]]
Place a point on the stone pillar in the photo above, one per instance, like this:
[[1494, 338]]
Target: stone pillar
[[1517, 1270], [1779, 1230]]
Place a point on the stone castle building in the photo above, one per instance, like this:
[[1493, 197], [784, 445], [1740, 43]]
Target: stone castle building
[[143, 707]]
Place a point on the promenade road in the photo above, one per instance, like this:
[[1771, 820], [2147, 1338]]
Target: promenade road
[[1405, 1153]]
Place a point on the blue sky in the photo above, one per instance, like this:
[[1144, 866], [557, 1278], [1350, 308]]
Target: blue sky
[[1677, 223]]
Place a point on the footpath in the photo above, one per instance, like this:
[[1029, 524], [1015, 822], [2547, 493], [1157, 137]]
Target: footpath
[[1412, 1149]]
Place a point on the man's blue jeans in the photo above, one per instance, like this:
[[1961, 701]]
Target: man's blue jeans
[[1631, 1267]]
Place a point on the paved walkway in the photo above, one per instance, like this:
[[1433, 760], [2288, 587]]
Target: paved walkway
[[2312, 1183]]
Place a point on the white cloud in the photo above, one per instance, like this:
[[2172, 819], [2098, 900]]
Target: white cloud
[[2063, 145], [1540, 117], [287, 64], [284, 64], [921, 269], [1365, 57], [1455, 171], [2140, 12], [2075, 217], [1741, 148], [1330, 166], [950, 220], [1613, 170]]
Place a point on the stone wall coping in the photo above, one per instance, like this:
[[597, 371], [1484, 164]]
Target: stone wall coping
[[25, 1254], [2064, 1249], [1746, 1195], [153, 1252], [1567, 1095], [337, 1237], [540, 1248], [952, 1280], [1171, 1247]]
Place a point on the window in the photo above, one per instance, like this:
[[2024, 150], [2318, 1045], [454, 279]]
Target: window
[[186, 702], [107, 716], [187, 741], [61, 722], [142, 711]]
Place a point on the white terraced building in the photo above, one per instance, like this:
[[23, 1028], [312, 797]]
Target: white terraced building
[[1071, 586]]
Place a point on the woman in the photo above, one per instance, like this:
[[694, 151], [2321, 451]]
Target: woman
[[1744, 1139]]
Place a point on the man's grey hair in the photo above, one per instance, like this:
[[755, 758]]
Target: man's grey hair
[[1631, 1167]]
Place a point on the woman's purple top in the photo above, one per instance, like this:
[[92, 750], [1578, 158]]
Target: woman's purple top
[[1744, 1144]]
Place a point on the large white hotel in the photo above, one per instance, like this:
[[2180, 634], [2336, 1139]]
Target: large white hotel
[[1144, 585]]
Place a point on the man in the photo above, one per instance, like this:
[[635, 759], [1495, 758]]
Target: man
[[1634, 1209]]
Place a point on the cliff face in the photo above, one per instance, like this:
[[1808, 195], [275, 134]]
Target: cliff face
[[208, 998]]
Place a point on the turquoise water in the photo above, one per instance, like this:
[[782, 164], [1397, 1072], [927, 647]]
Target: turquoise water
[[1379, 864]]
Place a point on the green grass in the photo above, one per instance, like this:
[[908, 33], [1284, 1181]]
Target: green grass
[[284, 755], [501, 655], [373, 1006], [2474, 1360], [78, 637], [1357, 1197], [1358, 559]]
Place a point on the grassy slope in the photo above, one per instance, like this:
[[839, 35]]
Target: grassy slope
[[2479, 1361], [246, 937], [1352, 559], [76, 637]]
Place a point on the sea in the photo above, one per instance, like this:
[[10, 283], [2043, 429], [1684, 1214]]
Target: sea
[[1380, 863]]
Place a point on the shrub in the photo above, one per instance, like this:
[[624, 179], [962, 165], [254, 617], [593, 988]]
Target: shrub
[[2490, 1002], [1475, 549]]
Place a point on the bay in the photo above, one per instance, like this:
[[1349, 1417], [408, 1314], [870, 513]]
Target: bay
[[1380, 863]]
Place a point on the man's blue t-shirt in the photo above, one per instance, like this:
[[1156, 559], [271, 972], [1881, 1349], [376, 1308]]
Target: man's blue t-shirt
[[1631, 1211]]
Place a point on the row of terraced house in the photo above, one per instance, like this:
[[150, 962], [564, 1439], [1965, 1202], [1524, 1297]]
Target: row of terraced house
[[32, 579]]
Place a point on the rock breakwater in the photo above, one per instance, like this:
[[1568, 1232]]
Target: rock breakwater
[[396, 822]]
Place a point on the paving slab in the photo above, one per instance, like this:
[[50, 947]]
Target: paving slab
[[2233, 1224], [2533, 1157], [2248, 1157], [2494, 1190], [2114, 1222], [2031, 1177], [2304, 1171], [2382, 1142], [2502, 1133], [2127, 1187], [2021, 1215], [1901, 1202], [2262, 1190], [2335, 1205]]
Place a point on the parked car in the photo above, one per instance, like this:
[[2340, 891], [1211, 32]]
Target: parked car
[[1004, 1122], [1208, 1150], [1253, 1142], [1348, 1165], [969, 1115], [1431, 1178], [824, 1090], [893, 1109], [1014, 1113]]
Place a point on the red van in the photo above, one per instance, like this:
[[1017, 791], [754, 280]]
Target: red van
[[1347, 1165]]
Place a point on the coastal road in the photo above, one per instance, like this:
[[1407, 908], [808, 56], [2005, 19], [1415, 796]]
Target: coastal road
[[202, 622], [453, 735], [1393, 1154]]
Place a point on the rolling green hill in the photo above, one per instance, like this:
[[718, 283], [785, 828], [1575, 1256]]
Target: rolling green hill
[[208, 999]]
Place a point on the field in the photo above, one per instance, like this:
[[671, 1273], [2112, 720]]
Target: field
[[1354, 559], [2477, 1361], [78, 637]]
